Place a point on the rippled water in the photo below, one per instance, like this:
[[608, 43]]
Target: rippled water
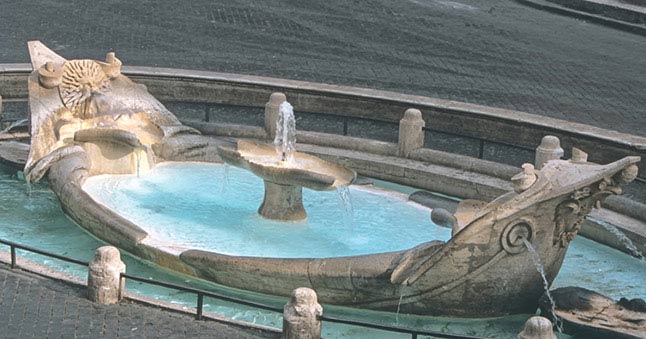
[[37, 220], [182, 204]]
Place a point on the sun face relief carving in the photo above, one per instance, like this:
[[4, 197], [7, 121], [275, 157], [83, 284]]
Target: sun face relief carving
[[81, 79]]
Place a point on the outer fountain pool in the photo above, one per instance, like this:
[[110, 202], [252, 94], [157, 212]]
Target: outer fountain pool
[[213, 207], [33, 217]]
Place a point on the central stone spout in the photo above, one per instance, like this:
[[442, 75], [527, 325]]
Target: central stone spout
[[285, 139], [282, 202], [285, 171]]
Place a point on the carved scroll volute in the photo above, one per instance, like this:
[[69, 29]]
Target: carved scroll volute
[[81, 80]]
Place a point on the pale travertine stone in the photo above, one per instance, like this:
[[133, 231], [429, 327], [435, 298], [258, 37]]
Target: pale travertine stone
[[537, 328], [300, 315], [411, 132], [104, 285], [549, 149], [284, 181]]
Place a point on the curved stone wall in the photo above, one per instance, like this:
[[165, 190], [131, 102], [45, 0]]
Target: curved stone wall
[[478, 139], [478, 131]]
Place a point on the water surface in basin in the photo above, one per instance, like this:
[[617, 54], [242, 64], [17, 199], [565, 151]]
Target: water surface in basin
[[36, 219], [191, 205]]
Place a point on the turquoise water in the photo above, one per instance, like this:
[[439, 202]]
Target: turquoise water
[[191, 205], [36, 219]]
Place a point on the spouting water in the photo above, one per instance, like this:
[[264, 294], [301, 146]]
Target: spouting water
[[623, 239], [225, 179], [546, 285], [399, 305], [346, 204], [402, 292], [285, 140]]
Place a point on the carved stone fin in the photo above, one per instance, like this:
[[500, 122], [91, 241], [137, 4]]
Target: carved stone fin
[[41, 54]]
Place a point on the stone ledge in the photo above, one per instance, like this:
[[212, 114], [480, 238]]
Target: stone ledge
[[276, 84]]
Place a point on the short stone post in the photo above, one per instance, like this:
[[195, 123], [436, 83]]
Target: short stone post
[[272, 111], [300, 315], [549, 149], [104, 285], [537, 328], [411, 133]]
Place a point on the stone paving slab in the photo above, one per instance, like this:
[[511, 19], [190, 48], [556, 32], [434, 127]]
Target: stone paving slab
[[491, 52], [35, 307]]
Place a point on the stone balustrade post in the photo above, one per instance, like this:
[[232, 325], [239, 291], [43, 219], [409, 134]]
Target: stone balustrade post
[[272, 111], [549, 149], [301, 315], [411, 132], [537, 328], [104, 285]]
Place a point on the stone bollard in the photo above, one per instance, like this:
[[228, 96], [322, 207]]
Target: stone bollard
[[411, 133], [300, 315], [272, 111], [537, 328], [104, 285], [549, 149], [112, 65]]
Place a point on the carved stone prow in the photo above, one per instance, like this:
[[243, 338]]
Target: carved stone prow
[[546, 209]]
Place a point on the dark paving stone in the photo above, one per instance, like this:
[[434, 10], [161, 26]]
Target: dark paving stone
[[491, 52], [242, 115], [372, 129], [34, 307], [452, 143], [323, 123], [506, 154], [183, 110]]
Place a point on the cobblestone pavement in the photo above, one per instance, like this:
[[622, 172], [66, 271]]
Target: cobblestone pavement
[[491, 52], [35, 307]]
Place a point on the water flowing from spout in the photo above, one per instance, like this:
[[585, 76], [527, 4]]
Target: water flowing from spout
[[623, 239], [399, 305], [546, 285], [285, 140], [225, 179], [346, 204]]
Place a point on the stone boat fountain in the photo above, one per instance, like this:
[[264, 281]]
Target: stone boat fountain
[[88, 119]]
